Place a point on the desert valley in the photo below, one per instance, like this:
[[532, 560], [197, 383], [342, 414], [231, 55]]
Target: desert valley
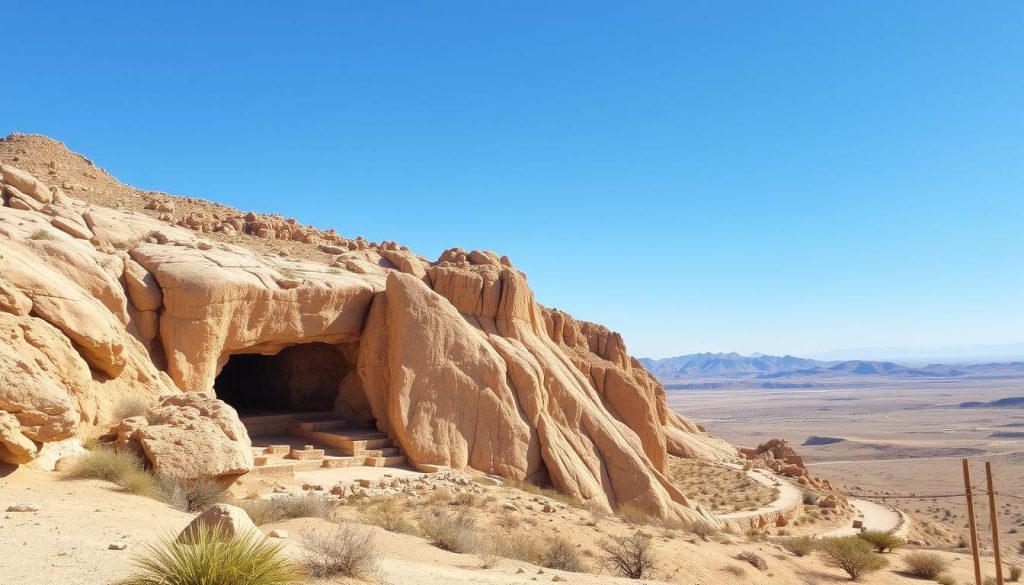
[[181, 379]]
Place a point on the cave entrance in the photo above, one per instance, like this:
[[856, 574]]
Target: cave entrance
[[300, 378]]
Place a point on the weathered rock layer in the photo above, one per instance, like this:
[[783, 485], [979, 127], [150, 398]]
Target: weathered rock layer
[[454, 358]]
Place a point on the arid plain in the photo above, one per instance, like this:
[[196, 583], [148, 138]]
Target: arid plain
[[897, 438]]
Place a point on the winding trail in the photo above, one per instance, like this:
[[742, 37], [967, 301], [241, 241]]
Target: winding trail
[[874, 516], [789, 494]]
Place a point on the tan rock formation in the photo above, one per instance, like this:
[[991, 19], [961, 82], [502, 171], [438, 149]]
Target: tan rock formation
[[190, 436], [454, 358]]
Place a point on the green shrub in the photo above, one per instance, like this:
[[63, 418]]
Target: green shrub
[[800, 546], [41, 234], [851, 554], [561, 554], [927, 565], [248, 559], [454, 533], [346, 551], [285, 507], [882, 540]]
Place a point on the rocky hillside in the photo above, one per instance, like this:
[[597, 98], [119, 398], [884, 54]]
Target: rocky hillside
[[109, 292]]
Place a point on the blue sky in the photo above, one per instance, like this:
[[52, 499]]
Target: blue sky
[[702, 176]]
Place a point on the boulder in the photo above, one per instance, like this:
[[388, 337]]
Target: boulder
[[15, 448], [190, 436], [26, 183], [222, 521]]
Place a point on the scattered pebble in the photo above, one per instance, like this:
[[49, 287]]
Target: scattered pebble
[[117, 546], [278, 533]]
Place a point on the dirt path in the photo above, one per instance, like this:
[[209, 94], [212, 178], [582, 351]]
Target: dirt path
[[789, 494], [874, 516]]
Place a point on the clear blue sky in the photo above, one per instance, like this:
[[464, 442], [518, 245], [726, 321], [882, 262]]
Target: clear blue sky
[[770, 176]]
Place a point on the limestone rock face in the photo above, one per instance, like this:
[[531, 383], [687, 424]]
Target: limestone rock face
[[191, 436], [15, 447], [112, 292]]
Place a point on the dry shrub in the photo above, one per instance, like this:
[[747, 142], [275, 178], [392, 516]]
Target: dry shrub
[[561, 554], [882, 540], [629, 556], [520, 547], [41, 234], [703, 530], [946, 579], [129, 406], [631, 514], [597, 513], [800, 546], [508, 520], [755, 560], [1015, 572], [191, 496], [285, 507], [440, 495], [927, 565], [390, 516], [345, 551], [736, 571], [247, 559], [851, 554], [450, 532], [464, 499]]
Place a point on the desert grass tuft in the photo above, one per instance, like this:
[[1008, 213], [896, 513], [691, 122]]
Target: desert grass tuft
[[120, 467], [286, 507], [248, 559]]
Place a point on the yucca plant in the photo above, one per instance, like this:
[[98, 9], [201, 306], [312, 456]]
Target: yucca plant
[[207, 559]]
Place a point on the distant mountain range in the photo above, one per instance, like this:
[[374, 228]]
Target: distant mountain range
[[709, 370]]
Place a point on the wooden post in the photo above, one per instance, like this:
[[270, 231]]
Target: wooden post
[[973, 523], [994, 521]]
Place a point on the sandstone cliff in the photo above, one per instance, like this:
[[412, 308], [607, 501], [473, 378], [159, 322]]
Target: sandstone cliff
[[107, 291]]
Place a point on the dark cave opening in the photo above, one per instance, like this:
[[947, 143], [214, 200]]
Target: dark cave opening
[[300, 378]]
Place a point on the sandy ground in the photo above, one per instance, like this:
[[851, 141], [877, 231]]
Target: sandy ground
[[67, 540]]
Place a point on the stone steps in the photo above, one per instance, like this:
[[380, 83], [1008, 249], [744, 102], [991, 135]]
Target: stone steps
[[326, 443]]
